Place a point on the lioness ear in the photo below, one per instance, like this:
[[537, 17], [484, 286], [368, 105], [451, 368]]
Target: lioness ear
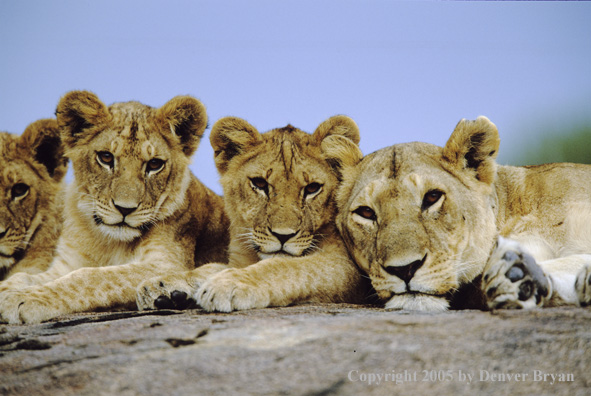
[[42, 138], [186, 117], [229, 137], [474, 145], [339, 139], [77, 112]]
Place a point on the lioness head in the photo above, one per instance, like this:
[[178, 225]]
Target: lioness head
[[419, 219], [31, 168], [279, 185], [130, 160]]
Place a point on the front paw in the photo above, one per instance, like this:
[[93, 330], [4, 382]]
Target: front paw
[[583, 286], [512, 279], [165, 292], [25, 306], [231, 290]]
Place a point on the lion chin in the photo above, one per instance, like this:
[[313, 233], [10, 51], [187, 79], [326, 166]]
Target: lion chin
[[418, 302], [121, 233]]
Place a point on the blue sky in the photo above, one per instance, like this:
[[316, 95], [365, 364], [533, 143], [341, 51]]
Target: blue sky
[[404, 71]]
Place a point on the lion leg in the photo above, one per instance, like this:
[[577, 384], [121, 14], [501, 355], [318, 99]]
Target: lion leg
[[23, 280], [513, 279], [174, 290], [326, 276], [83, 290]]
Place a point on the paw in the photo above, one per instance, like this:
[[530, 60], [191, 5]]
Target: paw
[[25, 306], [165, 292], [583, 286], [512, 279], [231, 290]]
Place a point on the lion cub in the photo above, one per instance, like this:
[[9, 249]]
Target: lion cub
[[279, 193], [438, 225], [133, 211], [32, 167]]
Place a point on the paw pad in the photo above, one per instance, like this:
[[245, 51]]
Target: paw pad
[[513, 279], [177, 300], [515, 273]]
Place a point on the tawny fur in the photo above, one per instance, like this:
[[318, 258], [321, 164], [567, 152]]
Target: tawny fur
[[32, 167], [133, 211], [443, 209], [277, 185]]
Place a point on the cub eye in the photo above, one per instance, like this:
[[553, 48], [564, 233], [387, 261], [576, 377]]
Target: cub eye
[[19, 190], [312, 188], [260, 184], [431, 198], [155, 165], [106, 158], [366, 212]]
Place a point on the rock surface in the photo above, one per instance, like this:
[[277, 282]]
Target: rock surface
[[301, 350]]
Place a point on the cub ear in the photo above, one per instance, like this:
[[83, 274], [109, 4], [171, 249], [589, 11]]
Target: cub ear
[[42, 138], [77, 112], [187, 119], [229, 137], [474, 145], [339, 138]]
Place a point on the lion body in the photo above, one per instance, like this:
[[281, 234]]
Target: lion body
[[32, 167], [133, 211], [423, 221], [279, 194]]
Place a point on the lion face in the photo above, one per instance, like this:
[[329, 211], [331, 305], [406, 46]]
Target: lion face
[[31, 168], [279, 186], [130, 160], [419, 219]]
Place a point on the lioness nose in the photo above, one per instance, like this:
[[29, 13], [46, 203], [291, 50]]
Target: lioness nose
[[125, 211], [283, 237], [406, 272]]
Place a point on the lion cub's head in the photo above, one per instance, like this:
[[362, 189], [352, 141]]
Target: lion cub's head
[[31, 169], [419, 218], [279, 186], [130, 160]]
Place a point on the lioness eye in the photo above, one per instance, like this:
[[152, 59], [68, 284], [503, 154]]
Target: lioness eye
[[154, 165], [19, 190], [312, 188], [431, 198], [366, 212], [260, 183], [106, 158]]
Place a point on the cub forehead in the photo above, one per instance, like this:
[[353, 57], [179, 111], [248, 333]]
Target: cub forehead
[[17, 171], [285, 152], [133, 139]]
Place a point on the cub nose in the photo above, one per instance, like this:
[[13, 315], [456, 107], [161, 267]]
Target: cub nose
[[406, 272], [3, 232], [125, 211], [283, 237]]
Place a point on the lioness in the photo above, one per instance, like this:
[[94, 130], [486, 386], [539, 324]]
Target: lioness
[[429, 223], [133, 211], [279, 193], [32, 167]]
